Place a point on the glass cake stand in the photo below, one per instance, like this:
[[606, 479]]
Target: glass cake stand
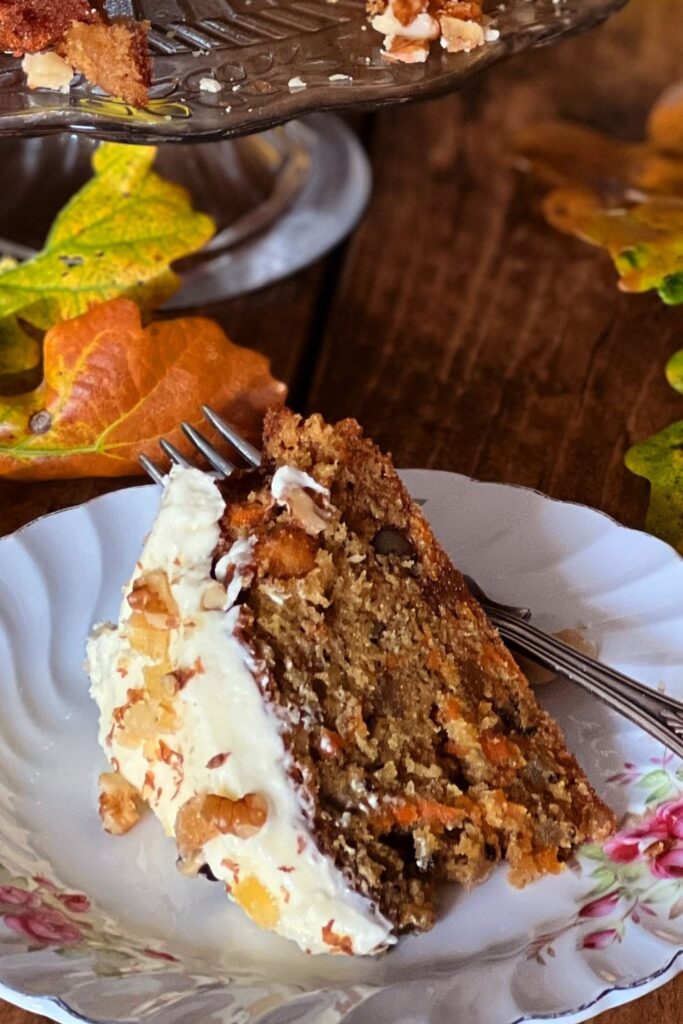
[[226, 73], [280, 199]]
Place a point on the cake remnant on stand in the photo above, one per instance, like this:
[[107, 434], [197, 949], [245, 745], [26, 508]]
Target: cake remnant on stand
[[59, 40], [410, 27]]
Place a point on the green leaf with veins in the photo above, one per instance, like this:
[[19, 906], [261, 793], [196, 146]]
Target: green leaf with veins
[[655, 778], [660, 460], [117, 236]]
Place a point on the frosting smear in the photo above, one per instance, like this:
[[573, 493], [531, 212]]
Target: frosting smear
[[184, 720]]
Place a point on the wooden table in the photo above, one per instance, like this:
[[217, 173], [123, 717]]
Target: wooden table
[[460, 330]]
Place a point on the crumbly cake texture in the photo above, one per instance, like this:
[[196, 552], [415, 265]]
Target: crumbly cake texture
[[111, 54], [27, 26], [114, 56], [306, 694], [421, 742], [410, 27]]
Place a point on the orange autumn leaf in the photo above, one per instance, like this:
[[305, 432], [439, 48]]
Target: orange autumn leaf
[[112, 388], [626, 197]]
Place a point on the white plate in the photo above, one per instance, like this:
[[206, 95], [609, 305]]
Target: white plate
[[104, 929]]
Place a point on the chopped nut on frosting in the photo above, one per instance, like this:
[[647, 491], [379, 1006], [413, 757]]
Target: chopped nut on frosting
[[207, 815], [151, 595], [119, 803], [407, 51]]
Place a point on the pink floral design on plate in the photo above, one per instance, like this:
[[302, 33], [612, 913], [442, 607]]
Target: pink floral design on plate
[[18, 897], [638, 872], [43, 915], [44, 925], [658, 840], [76, 902], [638, 876]]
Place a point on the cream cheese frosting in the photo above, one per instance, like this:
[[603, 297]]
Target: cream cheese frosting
[[217, 734], [290, 488]]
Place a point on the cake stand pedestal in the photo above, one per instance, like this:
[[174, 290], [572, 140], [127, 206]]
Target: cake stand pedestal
[[280, 199]]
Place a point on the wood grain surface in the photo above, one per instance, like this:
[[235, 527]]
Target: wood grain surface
[[462, 331]]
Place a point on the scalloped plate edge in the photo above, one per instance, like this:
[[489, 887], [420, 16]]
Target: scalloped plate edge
[[57, 1008]]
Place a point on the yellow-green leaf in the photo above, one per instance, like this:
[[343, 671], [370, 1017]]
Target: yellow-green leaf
[[117, 236], [625, 197], [660, 460], [18, 350], [674, 371]]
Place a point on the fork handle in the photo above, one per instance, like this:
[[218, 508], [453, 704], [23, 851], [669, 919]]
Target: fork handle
[[657, 713]]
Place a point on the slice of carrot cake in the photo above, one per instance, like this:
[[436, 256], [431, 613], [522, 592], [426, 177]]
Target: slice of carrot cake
[[305, 693]]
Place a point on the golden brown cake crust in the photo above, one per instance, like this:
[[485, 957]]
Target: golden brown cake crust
[[27, 26], [111, 54], [412, 730], [114, 56]]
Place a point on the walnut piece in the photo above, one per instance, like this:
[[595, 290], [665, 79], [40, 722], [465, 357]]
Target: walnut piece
[[207, 815], [459, 35], [119, 803], [214, 597], [408, 51], [151, 595], [242, 818]]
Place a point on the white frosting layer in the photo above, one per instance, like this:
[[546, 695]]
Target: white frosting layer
[[224, 721], [290, 488]]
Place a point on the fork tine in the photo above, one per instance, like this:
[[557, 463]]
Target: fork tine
[[173, 454], [218, 461], [489, 604], [151, 469], [251, 454]]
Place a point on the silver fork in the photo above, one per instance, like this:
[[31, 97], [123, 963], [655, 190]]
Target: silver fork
[[657, 713], [222, 466]]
